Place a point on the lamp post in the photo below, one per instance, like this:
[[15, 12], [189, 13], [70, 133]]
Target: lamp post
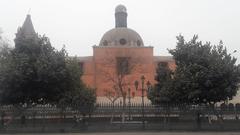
[[129, 102], [143, 122], [142, 89], [148, 86], [136, 85]]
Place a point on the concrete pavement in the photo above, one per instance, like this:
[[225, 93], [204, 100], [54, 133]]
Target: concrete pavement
[[139, 133]]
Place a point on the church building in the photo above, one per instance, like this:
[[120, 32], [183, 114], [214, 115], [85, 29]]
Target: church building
[[119, 61], [121, 58]]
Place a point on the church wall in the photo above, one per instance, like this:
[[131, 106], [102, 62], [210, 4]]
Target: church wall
[[141, 63], [88, 70], [100, 69]]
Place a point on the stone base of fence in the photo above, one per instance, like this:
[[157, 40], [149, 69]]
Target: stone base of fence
[[108, 118]]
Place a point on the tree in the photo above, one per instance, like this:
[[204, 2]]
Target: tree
[[118, 72], [205, 73], [159, 93], [37, 73], [112, 96], [4, 60], [78, 96]]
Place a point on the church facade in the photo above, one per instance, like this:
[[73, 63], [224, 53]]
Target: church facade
[[118, 62], [121, 58]]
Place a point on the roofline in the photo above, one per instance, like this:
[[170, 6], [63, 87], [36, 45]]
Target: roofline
[[95, 46]]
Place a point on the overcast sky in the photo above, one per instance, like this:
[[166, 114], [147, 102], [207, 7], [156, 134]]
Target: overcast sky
[[80, 24]]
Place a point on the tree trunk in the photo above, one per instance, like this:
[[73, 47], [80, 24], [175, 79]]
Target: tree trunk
[[113, 109], [124, 108]]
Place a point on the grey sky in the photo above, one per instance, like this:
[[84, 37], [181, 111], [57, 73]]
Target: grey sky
[[80, 24]]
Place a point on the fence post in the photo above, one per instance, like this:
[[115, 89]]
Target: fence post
[[23, 120], [199, 126], [2, 119]]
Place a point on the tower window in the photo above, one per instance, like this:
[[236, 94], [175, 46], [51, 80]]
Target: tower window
[[123, 65], [122, 41], [138, 43], [105, 43]]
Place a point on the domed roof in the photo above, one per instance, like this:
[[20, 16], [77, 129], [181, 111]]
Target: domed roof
[[121, 36], [120, 8]]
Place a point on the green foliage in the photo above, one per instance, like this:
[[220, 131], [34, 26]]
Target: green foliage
[[4, 54], [78, 95], [163, 85], [36, 73], [205, 73]]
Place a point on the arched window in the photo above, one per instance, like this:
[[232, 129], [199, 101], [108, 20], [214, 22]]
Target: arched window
[[123, 65]]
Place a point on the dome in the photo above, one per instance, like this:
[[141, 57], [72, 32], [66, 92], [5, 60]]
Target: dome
[[120, 8], [121, 36]]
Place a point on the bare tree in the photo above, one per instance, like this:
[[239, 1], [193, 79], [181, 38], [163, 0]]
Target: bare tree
[[118, 71], [112, 96]]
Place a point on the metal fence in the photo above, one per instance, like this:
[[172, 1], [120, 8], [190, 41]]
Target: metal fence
[[109, 117]]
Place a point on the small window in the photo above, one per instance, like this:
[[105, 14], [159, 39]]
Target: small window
[[122, 41], [138, 43], [123, 65], [163, 64], [81, 66], [105, 43]]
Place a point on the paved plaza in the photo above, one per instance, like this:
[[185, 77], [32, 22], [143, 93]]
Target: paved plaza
[[142, 133]]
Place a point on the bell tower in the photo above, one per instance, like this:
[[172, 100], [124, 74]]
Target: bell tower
[[120, 16]]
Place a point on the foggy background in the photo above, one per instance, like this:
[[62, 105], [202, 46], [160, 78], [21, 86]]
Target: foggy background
[[80, 24]]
